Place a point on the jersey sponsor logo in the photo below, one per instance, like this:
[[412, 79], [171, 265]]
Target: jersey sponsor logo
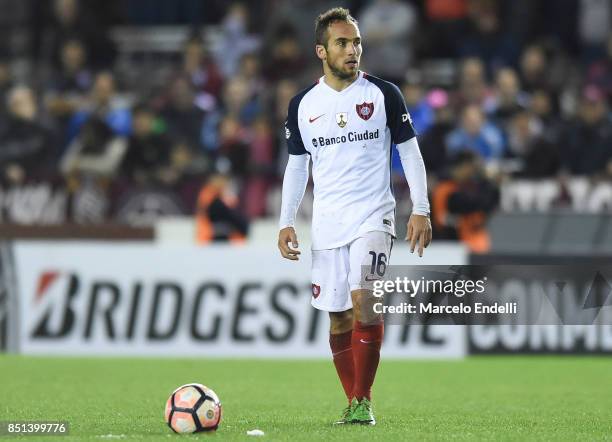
[[312, 120], [365, 110], [348, 138], [342, 118], [316, 291], [287, 132]]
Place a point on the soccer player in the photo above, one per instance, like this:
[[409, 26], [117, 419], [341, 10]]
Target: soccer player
[[346, 123]]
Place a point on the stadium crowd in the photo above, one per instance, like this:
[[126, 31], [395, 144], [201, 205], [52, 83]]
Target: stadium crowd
[[496, 90]]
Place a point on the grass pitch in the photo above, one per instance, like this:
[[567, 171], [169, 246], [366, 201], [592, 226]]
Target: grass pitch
[[502, 398]]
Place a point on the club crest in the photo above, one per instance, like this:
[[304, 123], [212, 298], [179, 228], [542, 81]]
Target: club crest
[[365, 110], [342, 118], [316, 291]]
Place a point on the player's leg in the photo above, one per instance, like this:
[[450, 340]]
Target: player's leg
[[366, 342], [340, 336], [371, 253], [367, 337], [330, 292]]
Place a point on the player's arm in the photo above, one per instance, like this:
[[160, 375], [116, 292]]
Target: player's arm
[[294, 186], [294, 183], [419, 226], [404, 137]]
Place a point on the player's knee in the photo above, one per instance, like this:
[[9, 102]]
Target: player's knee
[[363, 307], [341, 322], [359, 298]]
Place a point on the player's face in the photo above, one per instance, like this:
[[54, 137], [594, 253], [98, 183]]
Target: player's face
[[343, 51]]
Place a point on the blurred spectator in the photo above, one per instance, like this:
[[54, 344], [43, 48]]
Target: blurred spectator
[[105, 103], [261, 169], [69, 85], [27, 149], [486, 39], [462, 201], [542, 107], [96, 151], [238, 133], [507, 98], [534, 72], [526, 140], [387, 27], [477, 134], [587, 148], [594, 24], [418, 106], [148, 150], [473, 86], [234, 139], [185, 166], [433, 142], [72, 20], [234, 40], [421, 113], [250, 73], [200, 67], [74, 75], [284, 56], [239, 110], [249, 152], [97, 131], [182, 114], [217, 216], [600, 72]]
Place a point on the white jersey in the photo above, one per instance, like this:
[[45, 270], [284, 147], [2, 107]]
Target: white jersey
[[349, 136]]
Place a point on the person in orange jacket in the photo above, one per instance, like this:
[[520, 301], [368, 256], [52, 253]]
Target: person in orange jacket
[[462, 202], [217, 216]]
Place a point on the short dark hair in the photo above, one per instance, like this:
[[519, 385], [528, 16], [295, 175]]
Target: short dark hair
[[328, 17]]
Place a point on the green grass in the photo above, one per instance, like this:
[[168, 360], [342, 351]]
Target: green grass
[[511, 398]]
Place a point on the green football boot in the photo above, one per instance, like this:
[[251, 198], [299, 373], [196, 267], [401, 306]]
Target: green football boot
[[347, 413], [362, 413]]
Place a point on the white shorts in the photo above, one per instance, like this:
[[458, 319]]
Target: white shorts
[[337, 272]]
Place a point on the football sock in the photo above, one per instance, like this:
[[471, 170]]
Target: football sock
[[343, 360], [366, 343]]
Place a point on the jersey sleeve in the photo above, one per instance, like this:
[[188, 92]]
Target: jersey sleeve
[[295, 145], [398, 118]]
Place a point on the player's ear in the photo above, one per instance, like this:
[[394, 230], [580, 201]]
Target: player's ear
[[321, 52]]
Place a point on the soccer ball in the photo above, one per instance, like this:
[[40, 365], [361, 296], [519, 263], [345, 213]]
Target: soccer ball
[[192, 408]]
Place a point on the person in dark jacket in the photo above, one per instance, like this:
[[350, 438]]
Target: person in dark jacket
[[588, 143], [27, 150]]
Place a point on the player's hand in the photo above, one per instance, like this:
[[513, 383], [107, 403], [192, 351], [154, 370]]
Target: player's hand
[[419, 230], [286, 236]]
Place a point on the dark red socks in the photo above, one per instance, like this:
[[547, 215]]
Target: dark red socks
[[366, 342], [343, 360]]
